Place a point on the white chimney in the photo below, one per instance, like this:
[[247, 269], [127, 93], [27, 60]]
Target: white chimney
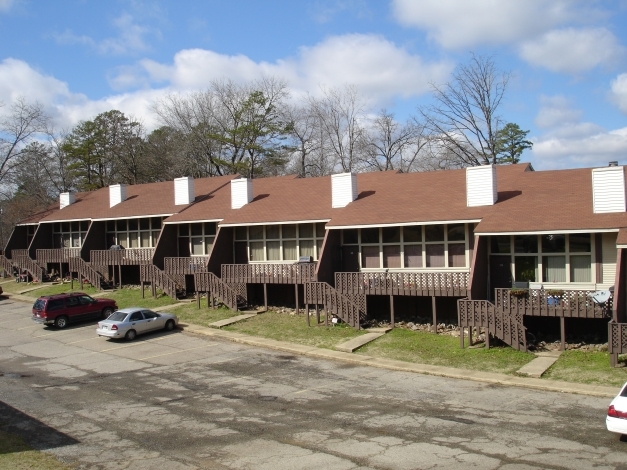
[[241, 192], [65, 199], [343, 189], [481, 185], [184, 190], [117, 194], [608, 189]]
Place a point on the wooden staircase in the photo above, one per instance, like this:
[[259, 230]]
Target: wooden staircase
[[86, 271], [335, 303], [231, 295], [6, 265], [499, 323], [25, 263], [157, 277]]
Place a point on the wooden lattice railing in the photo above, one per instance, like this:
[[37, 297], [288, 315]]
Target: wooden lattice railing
[[454, 284], [85, 271], [269, 273], [19, 254], [131, 256], [6, 265], [186, 265], [57, 255], [24, 263], [482, 313], [537, 302], [154, 275], [617, 341], [335, 303], [212, 285]]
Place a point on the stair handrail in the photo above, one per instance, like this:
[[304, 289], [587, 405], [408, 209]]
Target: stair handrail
[[333, 301]]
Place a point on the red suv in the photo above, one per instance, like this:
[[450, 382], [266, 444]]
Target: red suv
[[61, 309]]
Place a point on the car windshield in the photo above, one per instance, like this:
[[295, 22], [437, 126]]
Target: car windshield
[[118, 316], [39, 304], [624, 392]]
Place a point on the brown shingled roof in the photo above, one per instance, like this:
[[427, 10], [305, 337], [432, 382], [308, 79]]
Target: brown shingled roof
[[142, 200]]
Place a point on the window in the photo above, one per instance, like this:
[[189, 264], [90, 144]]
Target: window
[[69, 234], [134, 233], [282, 242], [410, 247], [550, 258], [197, 238]]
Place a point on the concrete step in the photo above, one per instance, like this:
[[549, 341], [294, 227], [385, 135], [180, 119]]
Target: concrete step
[[540, 364], [359, 341], [230, 321]]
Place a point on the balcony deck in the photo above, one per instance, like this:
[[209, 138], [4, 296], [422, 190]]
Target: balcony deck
[[186, 265], [131, 256], [57, 255], [269, 273], [538, 303], [440, 284]]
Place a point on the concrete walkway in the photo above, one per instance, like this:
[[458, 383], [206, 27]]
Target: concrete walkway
[[356, 343], [540, 364], [230, 321]]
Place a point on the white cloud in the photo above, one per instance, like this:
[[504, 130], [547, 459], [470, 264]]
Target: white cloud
[[378, 68], [572, 50], [131, 38], [5, 5], [455, 24], [619, 91], [568, 142]]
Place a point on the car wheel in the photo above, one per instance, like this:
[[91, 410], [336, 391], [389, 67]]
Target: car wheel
[[106, 313], [169, 325], [130, 335], [61, 322]]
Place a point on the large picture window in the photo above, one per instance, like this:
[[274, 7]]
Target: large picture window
[[69, 234], [282, 242], [134, 233], [549, 258], [196, 239], [410, 247]]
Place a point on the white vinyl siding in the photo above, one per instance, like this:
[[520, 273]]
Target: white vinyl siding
[[608, 258], [481, 187], [343, 189], [608, 189]]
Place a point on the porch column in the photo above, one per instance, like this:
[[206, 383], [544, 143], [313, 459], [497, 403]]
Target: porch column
[[307, 313], [433, 311], [120, 274], [461, 337], [563, 333], [296, 290], [487, 338], [318, 315], [265, 296], [392, 310]]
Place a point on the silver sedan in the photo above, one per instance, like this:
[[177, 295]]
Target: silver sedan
[[130, 322]]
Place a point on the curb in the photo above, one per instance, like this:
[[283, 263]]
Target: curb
[[492, 378]]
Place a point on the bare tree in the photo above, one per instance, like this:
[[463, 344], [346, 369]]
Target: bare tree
[[303, 139], [18, 129], [392, 145], [340, 117], [464, 117]]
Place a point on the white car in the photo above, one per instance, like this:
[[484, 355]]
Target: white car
[[616, 420], [130, 322]]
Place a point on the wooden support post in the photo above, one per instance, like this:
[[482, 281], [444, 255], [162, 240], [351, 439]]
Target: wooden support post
[[296, 290], [153, 289], [326, 316], [198, 299], [142, 284], [392, 310], [563, 333], [72, 282], [60, 272], [434, 313], [120, 275], [265, 296], [307, 313], [487, 338], [469, 336], [318, 315], [461, 337], [613, 359]]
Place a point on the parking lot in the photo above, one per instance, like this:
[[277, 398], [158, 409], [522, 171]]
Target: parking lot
[[174, 400]]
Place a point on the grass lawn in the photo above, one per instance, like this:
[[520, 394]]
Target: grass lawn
[[293, 328], [443, 350], [586, 367], [190, 313], [17, 455]]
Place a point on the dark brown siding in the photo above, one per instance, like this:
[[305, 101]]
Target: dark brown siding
[[17, 240], [619, 306], [479, 269], [222, 252], [329, 260], [166, 246], [41, 240], [95, 239], [598, 255]]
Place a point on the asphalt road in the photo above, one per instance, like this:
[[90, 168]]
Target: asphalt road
[[174, 400]]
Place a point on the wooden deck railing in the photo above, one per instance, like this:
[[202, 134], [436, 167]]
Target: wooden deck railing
[[616, 341], [212, 285], [322, 293], [186, 265], [454, 284], [537, 302], [24, 263], [6, 265], [57, 255], [482, 313], [157, 277], [19, 254], [131, 256], [85, 271], [269, 273]]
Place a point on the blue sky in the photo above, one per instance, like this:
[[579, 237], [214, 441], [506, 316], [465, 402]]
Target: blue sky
[[568, 58]]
